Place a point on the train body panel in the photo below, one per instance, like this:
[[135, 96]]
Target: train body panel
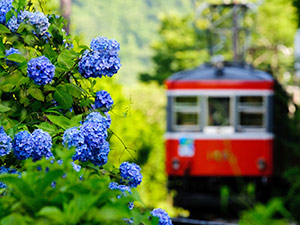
[[220, 157]]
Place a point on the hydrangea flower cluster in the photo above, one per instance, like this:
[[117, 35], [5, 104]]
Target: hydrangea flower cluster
[[13, 24], [41, 70], [89, 140], [103, 60], [42, 142], [5, 143], [164, 218], [103, 101], [130, 173], [10, 52], [122, 188], [5, 6], [22, 145], [35, 145], [4, 170], [37, 19], [98, 118]]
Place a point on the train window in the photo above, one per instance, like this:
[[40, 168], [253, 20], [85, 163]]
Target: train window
[[218, 111], [186, 113], [251, 112]]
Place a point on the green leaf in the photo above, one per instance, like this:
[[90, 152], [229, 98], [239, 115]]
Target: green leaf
[[4, 108], [60, 121], [18, 184], [46, 126], [76, 120], [16, 58], [19, 4], [36, 93], [52, 213], [74, 90], [63, 98], [46, 181], [13, 219], [65, 59], [2, 55], [4, 29]]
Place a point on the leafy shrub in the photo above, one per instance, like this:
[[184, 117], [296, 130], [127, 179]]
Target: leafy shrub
[[55, 129]]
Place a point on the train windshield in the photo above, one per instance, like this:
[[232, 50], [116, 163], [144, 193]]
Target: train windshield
[[218, 111]]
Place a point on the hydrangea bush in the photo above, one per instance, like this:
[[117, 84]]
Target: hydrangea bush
[[55, 127]]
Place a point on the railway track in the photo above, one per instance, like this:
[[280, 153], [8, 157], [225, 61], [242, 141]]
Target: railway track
[[186, 221]]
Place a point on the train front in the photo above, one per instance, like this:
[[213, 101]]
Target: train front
[[219, 130]]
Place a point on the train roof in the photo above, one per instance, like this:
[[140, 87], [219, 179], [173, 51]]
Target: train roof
[[229, 71]]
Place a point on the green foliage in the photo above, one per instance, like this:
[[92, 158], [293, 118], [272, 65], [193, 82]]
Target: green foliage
[[273, 213], [183, 42], [72, 201], [57, 194]]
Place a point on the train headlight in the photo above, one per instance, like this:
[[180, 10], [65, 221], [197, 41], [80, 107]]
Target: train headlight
[[175, 164], [261, 164]]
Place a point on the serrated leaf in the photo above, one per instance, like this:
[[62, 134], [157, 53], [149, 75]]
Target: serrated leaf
[[36, 93], [4, 29], [16, 58], [60, 121], [63, 98], [4, 108]]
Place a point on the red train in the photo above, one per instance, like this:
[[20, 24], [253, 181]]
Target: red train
[[219, 131]]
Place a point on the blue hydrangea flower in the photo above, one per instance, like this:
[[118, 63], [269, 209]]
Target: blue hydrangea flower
[[99, 157], [22, 145], [130, 172], [89, 140], [123, 188], [5, 143], [129, 221], [98, 118], [4, 170], [94, 134], [130, 205], [10, 52], [41, 70], [103, 101], [60, 162], [42, 145], [103, 60], [76, 167], [5, 6], [13, 24], [105, 44], [82, 153], [53, 184], [162, 215], [37, 19], [73, 137], [108, 118]]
